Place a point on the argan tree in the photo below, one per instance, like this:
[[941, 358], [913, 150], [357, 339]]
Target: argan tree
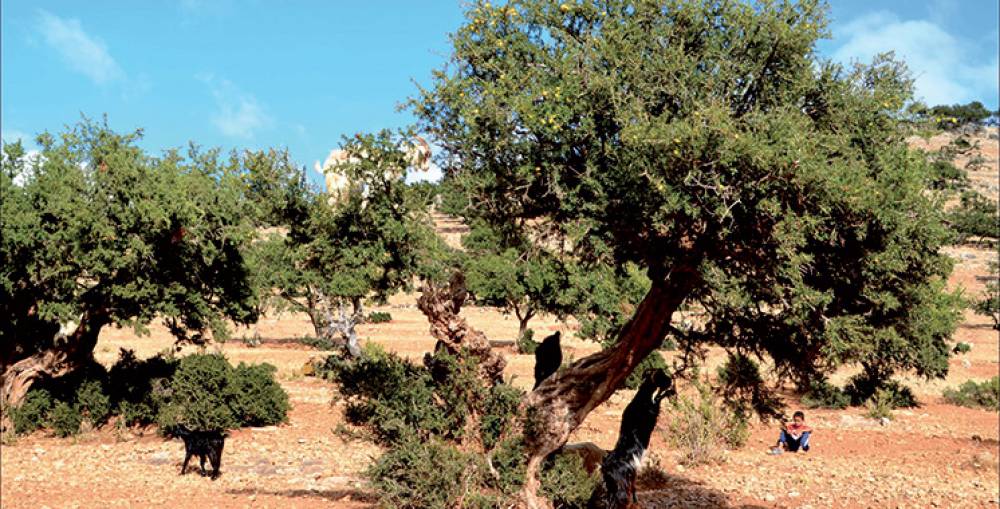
[[514, 273], [707, 143], [95, 232], [362, 248]]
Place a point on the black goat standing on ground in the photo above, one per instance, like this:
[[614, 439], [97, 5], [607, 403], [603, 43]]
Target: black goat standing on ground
[[548, 358], [202, 443], [621, 466]]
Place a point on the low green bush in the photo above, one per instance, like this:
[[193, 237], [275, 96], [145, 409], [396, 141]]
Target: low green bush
[[425, 474], [881, 404], [378, 317], [567, 483], [207, 393], [823, 394], [526, 343], [861, 388], [317, 342], [985, 394], [255, 397], [961, 348], [33, 413], [64, 419]]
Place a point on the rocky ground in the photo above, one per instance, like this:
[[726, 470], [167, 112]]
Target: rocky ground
[[937, 455]]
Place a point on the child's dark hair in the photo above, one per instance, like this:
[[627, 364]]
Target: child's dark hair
[[799, 414]]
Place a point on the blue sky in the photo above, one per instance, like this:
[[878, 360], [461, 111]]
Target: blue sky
[[255, 74]]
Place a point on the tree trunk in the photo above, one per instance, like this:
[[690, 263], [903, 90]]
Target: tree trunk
[[441, 307], [562, 401], [67, 353], [522, 326]]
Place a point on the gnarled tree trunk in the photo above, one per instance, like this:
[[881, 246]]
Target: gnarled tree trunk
[[68, 352], [560, 404], [441, 306]]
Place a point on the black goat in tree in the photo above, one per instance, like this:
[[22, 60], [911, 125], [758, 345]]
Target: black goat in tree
[[621, 466], [548, 358]]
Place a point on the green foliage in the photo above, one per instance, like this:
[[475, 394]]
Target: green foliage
[[198, 395], [378, 317], [319, 343], [526, 342], [425, 474], [864, 387], [567, 483], [207, 393], [989, 304], [985, 394], [92, 402], [255, 397], [97, 231], [743, 388], [957, 115], [396, 399], [881, 404], [652, 361], [64, 419], [138, 387], [789, 195], [961, 348], [33, 413], [976, 216], [699, 424], [945, 175], [823, 394], [504, 268], [498, 412]]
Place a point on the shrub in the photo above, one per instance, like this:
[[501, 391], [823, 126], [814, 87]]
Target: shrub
[[499, 413], [971, 394], [507, 458], [318, 343], [526, 343], [699, 425], [862, 388], [653, 361], [197, 396], [396, 399], [976, 216], [881, 404], [255, 397], [425, 474], [92, 402], [378, 317], [33, 413], [742, 387], [961, 348], [207, 393], [64, 419], [989, 304], [823, 394], [139, 387], [567, 483]]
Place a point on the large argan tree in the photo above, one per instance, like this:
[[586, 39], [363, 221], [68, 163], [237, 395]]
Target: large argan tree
[[95, 232], [706, 142]]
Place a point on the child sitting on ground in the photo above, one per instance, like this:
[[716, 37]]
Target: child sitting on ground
[[793, 435]]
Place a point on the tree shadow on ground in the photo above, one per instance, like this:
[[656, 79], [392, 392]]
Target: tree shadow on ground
[[662, 490], [333, 495]]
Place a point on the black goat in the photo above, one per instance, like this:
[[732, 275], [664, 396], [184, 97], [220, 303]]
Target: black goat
[[548, 358], [621, 466], [202, 443]]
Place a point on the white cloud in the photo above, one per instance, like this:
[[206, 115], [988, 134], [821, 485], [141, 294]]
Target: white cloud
[[82, 52], [943, 65], [238, 114]]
